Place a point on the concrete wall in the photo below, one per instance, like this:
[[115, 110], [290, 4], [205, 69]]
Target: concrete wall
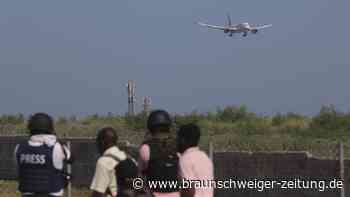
[[234, 165]]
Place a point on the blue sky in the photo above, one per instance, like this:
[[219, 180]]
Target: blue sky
[[75, 57]]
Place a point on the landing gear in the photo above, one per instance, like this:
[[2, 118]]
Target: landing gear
[[231, 34], [245, 34]]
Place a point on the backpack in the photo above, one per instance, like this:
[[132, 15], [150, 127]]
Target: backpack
[[126, 171], [163, 163]]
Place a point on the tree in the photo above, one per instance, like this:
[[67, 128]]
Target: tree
[[327, 117], [233, 113]]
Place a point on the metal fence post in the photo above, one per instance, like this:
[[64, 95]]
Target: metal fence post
[[211, 151], [69, 171], [341, 164], [211, 156]]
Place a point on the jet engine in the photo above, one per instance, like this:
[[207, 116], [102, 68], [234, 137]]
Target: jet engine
[[254, 31]]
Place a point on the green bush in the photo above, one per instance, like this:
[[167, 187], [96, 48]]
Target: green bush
[[233, 113], [229, 128], [331, 119], [137, 122], [12, 119]]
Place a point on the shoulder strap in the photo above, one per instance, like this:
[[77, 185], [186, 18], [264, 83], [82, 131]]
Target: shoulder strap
[[119, 160], [113, 157]]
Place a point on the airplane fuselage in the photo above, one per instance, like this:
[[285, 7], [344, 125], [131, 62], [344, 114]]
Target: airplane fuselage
[[240, 28], [243, 28]]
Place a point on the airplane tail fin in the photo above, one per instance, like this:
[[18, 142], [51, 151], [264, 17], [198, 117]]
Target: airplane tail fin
[[229, 23]]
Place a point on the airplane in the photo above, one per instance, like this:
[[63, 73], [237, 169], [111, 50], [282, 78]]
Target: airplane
[[239, 28]]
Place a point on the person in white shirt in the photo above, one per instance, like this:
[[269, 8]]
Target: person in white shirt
[[104, 180]]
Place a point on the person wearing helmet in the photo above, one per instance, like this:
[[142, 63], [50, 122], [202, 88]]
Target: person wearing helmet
[[158, 155], [40, 160]]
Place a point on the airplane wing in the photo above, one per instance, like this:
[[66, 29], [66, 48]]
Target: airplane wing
[[214, 26], [262, 27]]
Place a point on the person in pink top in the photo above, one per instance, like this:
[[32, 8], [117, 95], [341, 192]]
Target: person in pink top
[[158, 159], [194, 164]]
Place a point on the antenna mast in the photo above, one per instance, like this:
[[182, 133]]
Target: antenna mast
[[131, 97]]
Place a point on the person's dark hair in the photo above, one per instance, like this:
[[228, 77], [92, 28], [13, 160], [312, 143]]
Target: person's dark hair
[[107, 132], [190, 133], [40, 123], [159, 120], [106, 136]]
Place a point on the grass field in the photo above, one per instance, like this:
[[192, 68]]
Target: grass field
[[9, 189]]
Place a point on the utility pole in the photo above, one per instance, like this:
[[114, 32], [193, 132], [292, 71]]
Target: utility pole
[[146, 104], [131, 97]]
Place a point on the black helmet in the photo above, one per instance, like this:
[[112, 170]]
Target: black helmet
[[40, 123], [158, 118]]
